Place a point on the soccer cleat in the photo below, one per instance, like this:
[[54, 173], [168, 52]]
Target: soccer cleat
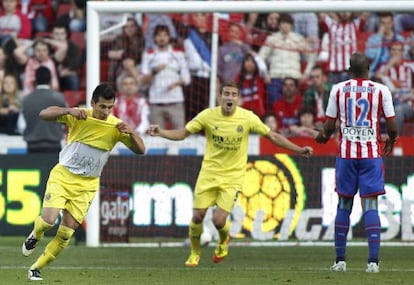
[[29, 244], [339, 266], [372, 267], [221, 250], [193, 260], [34, 275]]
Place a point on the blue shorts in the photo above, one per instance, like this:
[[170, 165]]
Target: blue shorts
[[367, 175]]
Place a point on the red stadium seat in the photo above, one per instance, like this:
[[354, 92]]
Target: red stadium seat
[[79, 39], [104, 70], [75, 98], [63, 8]]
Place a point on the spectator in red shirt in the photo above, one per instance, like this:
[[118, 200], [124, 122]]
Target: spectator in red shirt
[[131, 107], [287, 108], [251, 85], [40, 13], [13, 23]]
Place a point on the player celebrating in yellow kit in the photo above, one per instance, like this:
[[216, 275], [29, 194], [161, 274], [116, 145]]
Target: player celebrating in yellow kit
[[227, 128], [74, 181]]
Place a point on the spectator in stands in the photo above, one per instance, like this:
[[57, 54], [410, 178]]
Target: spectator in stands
[[251, 85], [131, 106], [263, 22], [197, 48], [287, 108], [2, 64], [67, 57], [76, 18], [13, 23], [40, 13], [231, 53], [154, 20], [404, 22], [398, 75], [259, 26], [306, 127], [283, 51], [306, 24], [343, 30], [125, 57], [12, 65], [377, 48], [41, 57], [42, 136], [270, 120], [165, 69], [10, 105], [317, 95]]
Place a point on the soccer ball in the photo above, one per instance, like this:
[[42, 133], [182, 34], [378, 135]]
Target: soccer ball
[[206, 237]]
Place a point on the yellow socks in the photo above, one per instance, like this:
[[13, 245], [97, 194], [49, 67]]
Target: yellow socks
[[54, 247], [40, 227], [223, 232], [194, 233]]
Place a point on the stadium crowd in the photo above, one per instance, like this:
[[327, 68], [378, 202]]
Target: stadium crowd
[[160, 64]]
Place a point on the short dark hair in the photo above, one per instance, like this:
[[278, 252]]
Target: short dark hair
[[359, 64], [306, 110], [104, 90], [63, 25], [385, 14], [287, 78], [161, 28], [42, 75], [286, 18]]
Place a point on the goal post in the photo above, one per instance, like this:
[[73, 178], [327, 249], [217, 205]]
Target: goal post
[[97, 8]]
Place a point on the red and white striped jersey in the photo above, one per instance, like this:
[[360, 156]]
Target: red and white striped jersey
[[343, 38], [399, 78], [358, 104]]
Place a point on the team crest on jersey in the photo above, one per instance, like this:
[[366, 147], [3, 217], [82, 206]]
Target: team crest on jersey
[[239, 129], [48, 197]]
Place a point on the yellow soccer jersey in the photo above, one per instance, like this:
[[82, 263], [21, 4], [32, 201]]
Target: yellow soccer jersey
[[95, 133], [226, 141]]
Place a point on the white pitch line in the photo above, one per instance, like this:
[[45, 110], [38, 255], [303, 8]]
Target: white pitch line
[[261, 268], [258, 244]]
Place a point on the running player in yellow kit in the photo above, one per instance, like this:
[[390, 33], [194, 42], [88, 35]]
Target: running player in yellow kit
[[227, 128], [74, 181]]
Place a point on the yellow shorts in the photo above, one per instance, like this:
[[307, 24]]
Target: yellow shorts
[[74, 193], [210, 191]]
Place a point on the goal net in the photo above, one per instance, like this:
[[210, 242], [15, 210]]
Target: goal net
[[151, 196]]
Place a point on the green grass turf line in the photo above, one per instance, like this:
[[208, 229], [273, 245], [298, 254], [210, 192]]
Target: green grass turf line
[[81, 265]]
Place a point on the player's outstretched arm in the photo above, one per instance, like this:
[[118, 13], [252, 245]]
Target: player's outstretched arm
[[53, 112], [281, 141], [175, 135]]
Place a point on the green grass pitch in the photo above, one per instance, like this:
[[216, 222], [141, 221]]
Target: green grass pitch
[[81, 265]]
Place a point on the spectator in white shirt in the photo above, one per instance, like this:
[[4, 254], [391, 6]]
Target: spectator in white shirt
[[165, 69]]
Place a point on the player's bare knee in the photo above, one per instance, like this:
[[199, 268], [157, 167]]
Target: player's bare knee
[[198, 216]]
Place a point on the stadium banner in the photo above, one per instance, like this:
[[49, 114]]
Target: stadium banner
[[284, 198], [22, 182]]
